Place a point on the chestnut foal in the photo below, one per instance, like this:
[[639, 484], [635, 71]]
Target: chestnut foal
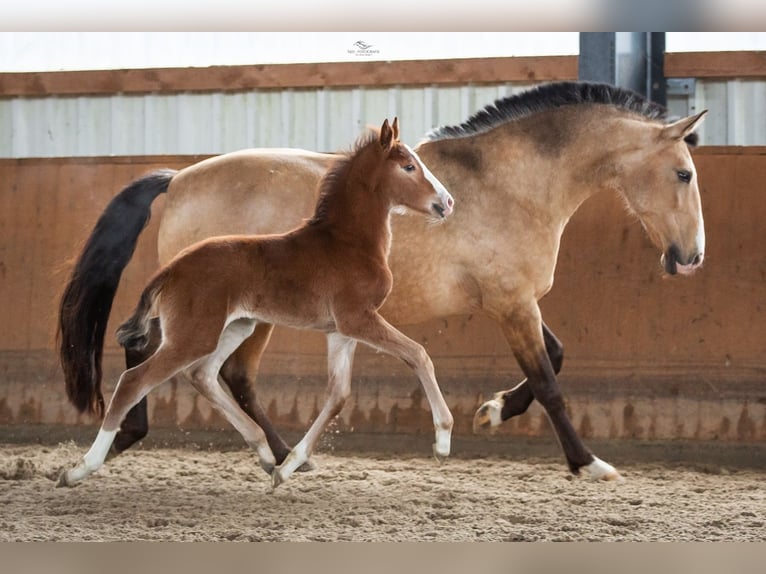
[[329, 274]]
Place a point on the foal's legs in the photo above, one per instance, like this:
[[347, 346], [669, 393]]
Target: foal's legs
[[136, 423], [204, 376], [239, 373], [340, 357], [169, 360], [134, 384], [523, 330], [374, 330], [507, 404]]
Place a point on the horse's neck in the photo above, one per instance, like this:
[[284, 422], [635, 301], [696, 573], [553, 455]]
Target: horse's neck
[[552, 181]]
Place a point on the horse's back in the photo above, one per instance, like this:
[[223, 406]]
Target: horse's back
[[254, 191]]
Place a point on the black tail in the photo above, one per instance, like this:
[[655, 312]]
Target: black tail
[[87, 299]]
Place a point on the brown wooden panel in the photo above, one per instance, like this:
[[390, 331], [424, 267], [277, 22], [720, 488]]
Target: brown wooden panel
[[715, 65], [343, 74], [278, 76]]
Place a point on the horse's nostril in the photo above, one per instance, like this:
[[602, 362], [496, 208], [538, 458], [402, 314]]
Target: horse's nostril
[[697, 259], [450, 201]]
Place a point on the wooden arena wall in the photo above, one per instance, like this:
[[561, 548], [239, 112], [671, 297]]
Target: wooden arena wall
[[646, 357]]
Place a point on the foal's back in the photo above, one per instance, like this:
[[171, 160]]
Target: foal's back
[[290, 279]]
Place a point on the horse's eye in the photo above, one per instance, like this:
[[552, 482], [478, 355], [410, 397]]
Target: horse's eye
[[684, 176], [409, 167]]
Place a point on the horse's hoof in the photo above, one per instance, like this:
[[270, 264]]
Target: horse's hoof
[[268, 467], [488, 415], [600, 470]]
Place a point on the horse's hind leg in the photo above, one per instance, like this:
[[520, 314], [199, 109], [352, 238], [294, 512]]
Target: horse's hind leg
[[134, 384], [513, 402], [340, 357], [204, 376], [239, 373], [136, 423]]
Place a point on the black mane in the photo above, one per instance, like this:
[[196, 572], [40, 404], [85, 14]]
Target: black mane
[[549, 96]]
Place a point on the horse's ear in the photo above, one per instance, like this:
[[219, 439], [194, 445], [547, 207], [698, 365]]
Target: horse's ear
[[395, 127], [386, 135], [683, 128]]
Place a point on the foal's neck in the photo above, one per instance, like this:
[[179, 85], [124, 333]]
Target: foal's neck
[[357, 214]]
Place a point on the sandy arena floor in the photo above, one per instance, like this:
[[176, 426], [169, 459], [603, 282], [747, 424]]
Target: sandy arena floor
[[201, 495]]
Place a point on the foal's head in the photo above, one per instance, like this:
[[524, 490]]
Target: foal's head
[[660, 185], [403, 178]]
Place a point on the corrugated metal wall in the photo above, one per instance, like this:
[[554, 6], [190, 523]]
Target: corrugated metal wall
[[211, 123], [737, 110], [318, 119]]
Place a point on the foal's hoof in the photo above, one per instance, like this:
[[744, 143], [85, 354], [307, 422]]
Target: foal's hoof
[[64, 480], [440, 458], [276, 478], [600, 470], [268, 467], [487, 416]]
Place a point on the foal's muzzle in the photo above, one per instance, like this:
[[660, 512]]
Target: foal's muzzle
[[673, 262], [444, 208]]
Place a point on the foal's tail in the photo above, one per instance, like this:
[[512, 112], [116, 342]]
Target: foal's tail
[[134, 333], [87, 300]]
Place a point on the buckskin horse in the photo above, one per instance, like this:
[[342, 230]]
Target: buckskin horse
[[519, 169], [330, 274]]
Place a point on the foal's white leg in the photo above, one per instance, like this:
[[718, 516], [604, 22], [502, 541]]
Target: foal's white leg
[[92, 460], [204, 376], [340, 358], [378, 333], [129, 390]]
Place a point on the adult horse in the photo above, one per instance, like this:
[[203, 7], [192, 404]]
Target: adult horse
[[519, 169], [329, 274]]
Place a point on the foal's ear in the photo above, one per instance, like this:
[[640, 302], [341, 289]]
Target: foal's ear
[[386, 135], [395, 127], [682, 128]]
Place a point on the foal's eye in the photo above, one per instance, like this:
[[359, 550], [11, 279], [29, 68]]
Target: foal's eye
[[409, 167], [684, 176]]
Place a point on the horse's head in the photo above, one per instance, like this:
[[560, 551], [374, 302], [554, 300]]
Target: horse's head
[[406, 179], [660, 186]]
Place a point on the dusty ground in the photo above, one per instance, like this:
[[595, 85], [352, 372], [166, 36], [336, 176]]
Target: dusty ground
[[199, 495]]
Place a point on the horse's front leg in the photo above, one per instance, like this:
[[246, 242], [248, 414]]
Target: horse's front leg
[[524, 332], [513, 402], [340, 358]]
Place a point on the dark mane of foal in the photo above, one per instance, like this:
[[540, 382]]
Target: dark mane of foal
[[332, 182], [549, 96]]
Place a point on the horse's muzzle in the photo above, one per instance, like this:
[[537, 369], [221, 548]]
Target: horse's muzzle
[[673, 262]]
